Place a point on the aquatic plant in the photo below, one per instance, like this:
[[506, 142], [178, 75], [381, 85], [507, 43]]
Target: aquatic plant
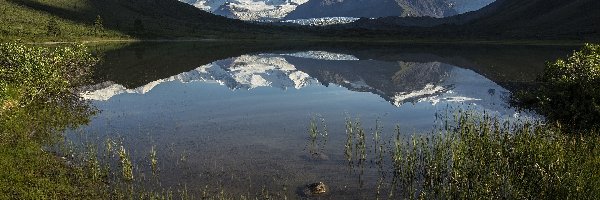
[[360, 144], [356, 141], [484, 157], [313, 132], [348, 147], [126, 165], [379, 151], [153, 161], [324, 134], [317, 137]]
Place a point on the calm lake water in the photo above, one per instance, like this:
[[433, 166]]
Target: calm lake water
[[236, 116]]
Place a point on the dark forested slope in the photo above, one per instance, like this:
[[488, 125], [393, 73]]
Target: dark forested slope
[[504, 18], [372, 8], [118, 18]]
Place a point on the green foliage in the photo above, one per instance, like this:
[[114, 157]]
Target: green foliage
[[317, 137], [53, 28], [126, 165], [36, 90], [570, 91], [98, 26], [35, 20], [28, 173], [37, 104], [138, 27]]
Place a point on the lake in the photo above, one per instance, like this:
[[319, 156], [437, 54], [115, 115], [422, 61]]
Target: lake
[[236, 117]]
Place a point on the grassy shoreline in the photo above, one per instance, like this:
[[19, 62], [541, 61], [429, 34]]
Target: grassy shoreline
[[383, 41]]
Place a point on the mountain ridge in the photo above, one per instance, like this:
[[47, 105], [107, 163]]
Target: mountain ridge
[[538, 19], [275, 10]]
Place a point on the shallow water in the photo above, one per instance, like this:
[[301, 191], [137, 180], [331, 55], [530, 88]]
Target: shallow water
[[237, 117]]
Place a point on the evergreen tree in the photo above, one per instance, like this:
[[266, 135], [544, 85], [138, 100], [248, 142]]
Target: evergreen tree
[[52, 28], [98, 27], [138, 27]]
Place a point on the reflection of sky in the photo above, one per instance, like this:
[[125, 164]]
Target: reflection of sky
[[211, 100], [267, 87]]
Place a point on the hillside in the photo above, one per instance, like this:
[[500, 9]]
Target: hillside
[[371, 8], [463, 6], [119, 19], [541, 18], [68, 20], [534, 19]]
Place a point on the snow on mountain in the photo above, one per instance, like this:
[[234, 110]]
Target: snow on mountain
[[461, 85], [327, 12], [448, 83], [244, 72], [110, 89], [424, 94], [248, 72], [323, 21], [254, 10], [321, 55], [207, 5]]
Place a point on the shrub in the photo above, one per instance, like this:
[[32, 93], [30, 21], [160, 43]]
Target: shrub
[[36, 89], [570, 90], [52, 29]]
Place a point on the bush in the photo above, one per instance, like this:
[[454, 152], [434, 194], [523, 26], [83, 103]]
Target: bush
[[37, 103], [36, 90], [52, 29], [570, 90]]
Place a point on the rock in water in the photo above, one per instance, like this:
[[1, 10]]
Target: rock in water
[[319, 156], [316, 189]]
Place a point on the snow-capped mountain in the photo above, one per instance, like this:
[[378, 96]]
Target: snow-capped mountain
[[319, 11], [253, 10], [396, 82]]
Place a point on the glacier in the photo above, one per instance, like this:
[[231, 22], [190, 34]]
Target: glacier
[[250, 10]]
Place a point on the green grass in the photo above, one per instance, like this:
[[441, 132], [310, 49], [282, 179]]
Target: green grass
[[29, 173], [90, 20], [18, 21]]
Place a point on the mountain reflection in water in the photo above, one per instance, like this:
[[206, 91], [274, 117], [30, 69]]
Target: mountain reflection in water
[[237, 119], [396, 82]]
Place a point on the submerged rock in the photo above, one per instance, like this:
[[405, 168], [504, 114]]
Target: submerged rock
[[316, 189], [319, 156]]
